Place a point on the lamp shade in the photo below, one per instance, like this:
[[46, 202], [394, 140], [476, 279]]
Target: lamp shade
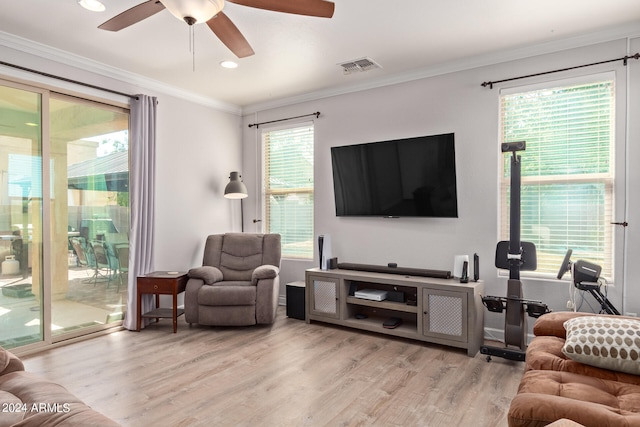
[[200, 10], [235, 189]]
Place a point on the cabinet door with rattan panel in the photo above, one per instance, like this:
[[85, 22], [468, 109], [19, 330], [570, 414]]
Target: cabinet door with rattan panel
[[323, 296], [444, 314]]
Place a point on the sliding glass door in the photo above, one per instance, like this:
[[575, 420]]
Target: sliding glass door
[[89, 215], [64, 251], [21, 231]]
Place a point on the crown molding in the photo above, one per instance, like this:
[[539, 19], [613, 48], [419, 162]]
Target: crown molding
[[616, 33], [129, 79], [629, 31]]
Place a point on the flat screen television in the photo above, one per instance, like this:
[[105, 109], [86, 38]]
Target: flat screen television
[[412, 177]]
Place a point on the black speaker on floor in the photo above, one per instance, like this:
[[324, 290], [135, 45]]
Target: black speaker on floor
[[295, 300]]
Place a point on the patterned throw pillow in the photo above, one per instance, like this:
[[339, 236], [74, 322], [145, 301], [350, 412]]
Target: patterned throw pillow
[[606, 342]]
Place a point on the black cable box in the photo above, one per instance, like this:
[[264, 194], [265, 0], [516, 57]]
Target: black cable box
[[405, 271]]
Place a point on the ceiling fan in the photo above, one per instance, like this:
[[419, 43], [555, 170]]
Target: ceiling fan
[[210, 11]]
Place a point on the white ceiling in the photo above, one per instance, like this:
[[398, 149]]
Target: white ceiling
[[297, 55]]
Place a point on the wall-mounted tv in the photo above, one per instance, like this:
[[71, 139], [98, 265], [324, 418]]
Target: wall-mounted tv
[[412, 177]]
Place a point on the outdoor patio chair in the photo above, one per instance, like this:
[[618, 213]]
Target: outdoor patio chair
[[85, 256], [122, 253], [102, 262]]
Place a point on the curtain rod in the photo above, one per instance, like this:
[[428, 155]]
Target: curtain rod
[[67, 80], [624, 59], [317, 114]]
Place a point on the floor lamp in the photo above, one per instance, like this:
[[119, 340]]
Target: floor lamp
[[236, 189]]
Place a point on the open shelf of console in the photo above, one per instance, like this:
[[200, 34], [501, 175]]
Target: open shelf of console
[[395, 306], [441, 311]]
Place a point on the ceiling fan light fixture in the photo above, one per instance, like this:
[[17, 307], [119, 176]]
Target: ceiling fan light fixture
[[92, 5], [200, 10]]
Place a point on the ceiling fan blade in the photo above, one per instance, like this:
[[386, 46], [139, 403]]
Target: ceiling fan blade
[[133, 15], [229, 34], [319, 8]]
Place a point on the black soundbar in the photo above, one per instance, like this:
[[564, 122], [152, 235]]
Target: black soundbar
[[407, 271]]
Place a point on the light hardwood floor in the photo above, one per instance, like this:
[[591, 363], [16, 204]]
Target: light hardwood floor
[[288, 374]]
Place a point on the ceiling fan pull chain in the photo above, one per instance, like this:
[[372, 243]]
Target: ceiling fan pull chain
[[193, 56], [192, 47]]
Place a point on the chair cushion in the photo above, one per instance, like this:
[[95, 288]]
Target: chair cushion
[[241, 254], [606, 342], [235, 254], [546, 396], [545, 353], [227, 293]]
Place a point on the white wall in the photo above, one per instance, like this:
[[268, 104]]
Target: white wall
[[456, 103], [197, 148]]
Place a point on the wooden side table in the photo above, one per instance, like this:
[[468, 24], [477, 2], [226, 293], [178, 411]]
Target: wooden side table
[[161, 283]]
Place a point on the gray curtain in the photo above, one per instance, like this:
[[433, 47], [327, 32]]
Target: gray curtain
[[142, 149]]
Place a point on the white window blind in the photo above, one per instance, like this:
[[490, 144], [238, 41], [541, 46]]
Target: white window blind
[[288, 188], [567, 172]]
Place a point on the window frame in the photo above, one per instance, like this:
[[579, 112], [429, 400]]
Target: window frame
[[304, 191], [610, 179]]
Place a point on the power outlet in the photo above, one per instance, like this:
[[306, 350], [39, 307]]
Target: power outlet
[[570, 305]]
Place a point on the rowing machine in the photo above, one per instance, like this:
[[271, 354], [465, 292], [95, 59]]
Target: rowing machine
[[515, 256]]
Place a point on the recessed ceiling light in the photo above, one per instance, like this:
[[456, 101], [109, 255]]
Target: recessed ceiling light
[[229, 64], [92, 5], [31, 124]]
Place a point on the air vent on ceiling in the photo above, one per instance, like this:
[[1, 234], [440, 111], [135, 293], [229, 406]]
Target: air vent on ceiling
[[359, 65]]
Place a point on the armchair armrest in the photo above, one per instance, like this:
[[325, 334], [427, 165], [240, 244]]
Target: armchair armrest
[[206, 273], [264, 272], [9, 362]]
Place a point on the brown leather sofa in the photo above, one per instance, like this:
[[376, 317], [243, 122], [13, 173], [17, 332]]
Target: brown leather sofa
[[555, 386], [28, 400]]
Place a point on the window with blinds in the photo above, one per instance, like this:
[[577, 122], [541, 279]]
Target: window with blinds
[[567, 172], [288, 188]]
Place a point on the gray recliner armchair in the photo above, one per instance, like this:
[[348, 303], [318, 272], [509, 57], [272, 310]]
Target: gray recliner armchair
[[238, 283]]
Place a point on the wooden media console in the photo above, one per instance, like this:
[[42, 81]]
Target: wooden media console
[[441, 311]]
